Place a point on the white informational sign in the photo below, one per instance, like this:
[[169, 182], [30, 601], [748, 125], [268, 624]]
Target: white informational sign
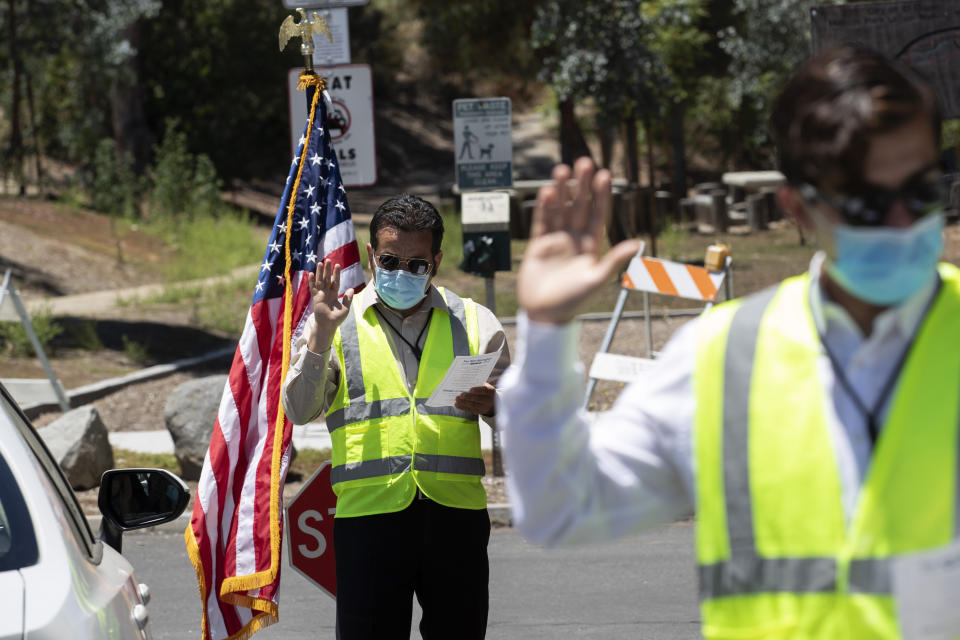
[[350, 122], [483, 147], [490, 208], [318, 4], [326, 53], [615, 366]]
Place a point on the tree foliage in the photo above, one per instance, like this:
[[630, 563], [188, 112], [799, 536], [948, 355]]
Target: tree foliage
[[480, 37], [598, 49], [765, 42]]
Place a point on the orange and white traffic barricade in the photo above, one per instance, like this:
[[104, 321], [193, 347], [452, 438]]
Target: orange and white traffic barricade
[[653, 275]]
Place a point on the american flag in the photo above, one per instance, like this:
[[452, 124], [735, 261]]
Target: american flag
[[235, 533]]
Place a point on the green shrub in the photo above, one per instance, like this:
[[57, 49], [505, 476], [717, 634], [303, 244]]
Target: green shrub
[[17, 343], [113, 186], [134, 351], [184, 185], [83, 335]]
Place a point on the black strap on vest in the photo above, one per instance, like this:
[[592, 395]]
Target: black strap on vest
[[417, 351], [873, 415]]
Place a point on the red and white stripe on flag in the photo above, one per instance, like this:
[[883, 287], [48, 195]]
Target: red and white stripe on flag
[[234, 537]]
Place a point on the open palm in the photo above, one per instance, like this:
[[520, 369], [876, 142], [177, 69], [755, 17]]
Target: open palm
[[562, 265], [329, 310]]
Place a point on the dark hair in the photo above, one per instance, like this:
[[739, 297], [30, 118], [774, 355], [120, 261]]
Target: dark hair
[[408, 213], [824, 118]]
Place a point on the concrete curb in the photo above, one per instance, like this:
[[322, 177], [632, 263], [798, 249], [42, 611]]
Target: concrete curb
[[87, 393], [499, 517]]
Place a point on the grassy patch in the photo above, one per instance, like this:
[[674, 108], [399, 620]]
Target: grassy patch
[[126, 459], [308, 460], [209, 245]]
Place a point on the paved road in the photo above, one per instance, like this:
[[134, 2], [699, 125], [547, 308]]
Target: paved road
[[638, 587]]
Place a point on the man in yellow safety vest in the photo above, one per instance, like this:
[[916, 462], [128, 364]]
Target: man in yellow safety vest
[[813, 426], [411, 512]]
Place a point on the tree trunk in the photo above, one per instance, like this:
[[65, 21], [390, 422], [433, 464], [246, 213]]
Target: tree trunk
[[16, 134], [608, 136], [572, 143], [632, 156], [677, 115], [130, 128], [651, 187], [34, 130]]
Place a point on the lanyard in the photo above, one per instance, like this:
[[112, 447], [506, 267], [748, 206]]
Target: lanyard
[[873, 415], [413, 347]]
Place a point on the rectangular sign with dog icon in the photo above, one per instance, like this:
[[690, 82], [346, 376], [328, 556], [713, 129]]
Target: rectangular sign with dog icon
[[483, 148]]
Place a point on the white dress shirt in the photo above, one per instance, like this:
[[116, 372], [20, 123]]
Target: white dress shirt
[[311, 382], [570, 479]]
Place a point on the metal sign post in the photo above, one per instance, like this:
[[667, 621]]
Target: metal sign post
[[486, 237], [486, 250], [12, 309]]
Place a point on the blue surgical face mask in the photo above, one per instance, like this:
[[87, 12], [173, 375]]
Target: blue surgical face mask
[[884, 265], [400, 289]]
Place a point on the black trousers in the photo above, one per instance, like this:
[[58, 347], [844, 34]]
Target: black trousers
[[436, 552]]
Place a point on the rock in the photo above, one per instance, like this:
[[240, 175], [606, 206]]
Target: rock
[[190, 414], [79, 443]]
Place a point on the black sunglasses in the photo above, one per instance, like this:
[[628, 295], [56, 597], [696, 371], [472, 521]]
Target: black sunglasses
[[416, 266], [868, 205]]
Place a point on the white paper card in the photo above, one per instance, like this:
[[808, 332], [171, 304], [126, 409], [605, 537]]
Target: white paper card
[[926, 587], [465, 373]]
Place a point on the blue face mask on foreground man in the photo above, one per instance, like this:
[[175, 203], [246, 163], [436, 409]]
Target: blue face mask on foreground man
[[885, 266], [812, 426]]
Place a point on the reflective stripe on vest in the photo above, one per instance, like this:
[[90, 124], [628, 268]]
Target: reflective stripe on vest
[[401, 464], [359, 409], [746, 571]]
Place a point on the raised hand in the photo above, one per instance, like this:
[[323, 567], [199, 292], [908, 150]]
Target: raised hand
[[562, 265], [329, 310]]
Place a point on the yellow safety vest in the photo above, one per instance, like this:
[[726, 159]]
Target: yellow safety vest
[[776, 558], [387, 442]]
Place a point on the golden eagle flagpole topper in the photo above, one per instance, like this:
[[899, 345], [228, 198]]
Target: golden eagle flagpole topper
[[305, 30]]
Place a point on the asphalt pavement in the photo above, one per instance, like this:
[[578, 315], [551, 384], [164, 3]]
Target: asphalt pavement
[[642, 586]]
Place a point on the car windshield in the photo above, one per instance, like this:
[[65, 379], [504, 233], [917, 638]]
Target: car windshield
[[18, 546]]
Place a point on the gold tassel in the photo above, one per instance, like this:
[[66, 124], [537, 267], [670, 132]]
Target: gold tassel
[[308, 79]]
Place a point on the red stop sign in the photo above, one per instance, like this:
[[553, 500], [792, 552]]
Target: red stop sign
[[310, 530]]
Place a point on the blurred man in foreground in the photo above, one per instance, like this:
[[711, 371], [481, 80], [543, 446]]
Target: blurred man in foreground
[[812, 426]]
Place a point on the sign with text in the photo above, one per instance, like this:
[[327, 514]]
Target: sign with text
[[919, 33], [482, 143], [350, 121], [326, 53], [310, 531], [491, 209]]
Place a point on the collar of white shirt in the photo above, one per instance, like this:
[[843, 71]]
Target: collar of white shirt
[[900, 321]]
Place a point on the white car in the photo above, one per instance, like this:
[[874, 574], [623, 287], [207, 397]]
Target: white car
[[57, 579]]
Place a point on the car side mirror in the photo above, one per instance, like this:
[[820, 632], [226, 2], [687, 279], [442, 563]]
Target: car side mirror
[[136, 498]]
